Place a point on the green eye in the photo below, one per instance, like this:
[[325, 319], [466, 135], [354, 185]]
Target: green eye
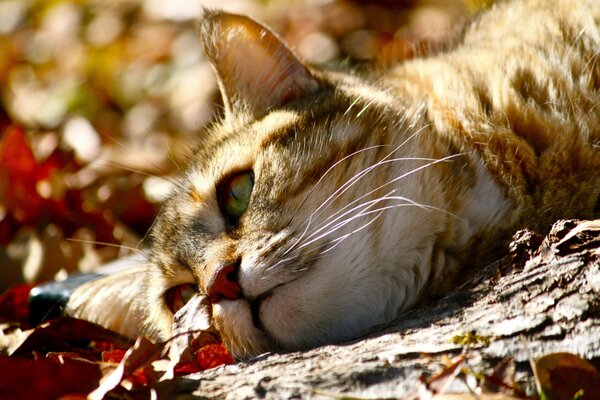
[[234, 195]]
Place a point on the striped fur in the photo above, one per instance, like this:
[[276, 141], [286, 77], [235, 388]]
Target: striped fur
[[374, 193]]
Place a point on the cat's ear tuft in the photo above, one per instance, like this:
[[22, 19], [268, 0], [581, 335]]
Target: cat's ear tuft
[[255, 69]]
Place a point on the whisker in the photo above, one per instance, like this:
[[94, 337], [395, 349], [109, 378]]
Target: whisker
[[365, 211], [120, 246], [343, 223], [323, 177], [338, 192], [349, 183], [297, 255], [433, 162], [171, 158], [351, 105], [123, 145], [373, 100], [344, 237], [363, 205], [112, 164], [380, 187]]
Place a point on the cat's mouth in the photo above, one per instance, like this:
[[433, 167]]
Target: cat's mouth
[[255, 310], [240, 327], [237, 323]]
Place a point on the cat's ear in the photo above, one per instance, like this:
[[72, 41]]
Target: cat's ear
[[255, 69]]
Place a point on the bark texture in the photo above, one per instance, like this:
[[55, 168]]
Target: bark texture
[[543, 297]]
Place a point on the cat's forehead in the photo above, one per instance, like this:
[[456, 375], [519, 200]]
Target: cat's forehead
[[236, 146]]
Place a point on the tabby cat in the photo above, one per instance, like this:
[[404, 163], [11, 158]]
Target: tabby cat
[[325, 203]]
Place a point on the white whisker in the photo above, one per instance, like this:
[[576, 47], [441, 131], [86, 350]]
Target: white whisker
[[373, 100], [350, 182], [344, 237], [323, 177], [378, 188], [433, 162], [365, 206]]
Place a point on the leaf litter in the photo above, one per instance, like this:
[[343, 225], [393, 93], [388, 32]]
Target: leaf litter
[[68, 204]]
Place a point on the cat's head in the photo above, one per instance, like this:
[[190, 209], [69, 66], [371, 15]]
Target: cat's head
[[280, 221]]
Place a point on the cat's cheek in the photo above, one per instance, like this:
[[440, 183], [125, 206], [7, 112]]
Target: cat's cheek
[[233, 320]]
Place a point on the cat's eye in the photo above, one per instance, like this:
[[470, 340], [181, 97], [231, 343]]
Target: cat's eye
[[177, 296], [234, 195]]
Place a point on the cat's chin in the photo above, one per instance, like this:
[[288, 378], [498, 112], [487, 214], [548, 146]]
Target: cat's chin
[[233, 320]]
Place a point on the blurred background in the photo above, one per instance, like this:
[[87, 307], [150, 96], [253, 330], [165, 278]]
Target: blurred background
[[102, 100]]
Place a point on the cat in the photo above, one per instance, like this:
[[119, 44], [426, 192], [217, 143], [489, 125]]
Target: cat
[[327, 202]]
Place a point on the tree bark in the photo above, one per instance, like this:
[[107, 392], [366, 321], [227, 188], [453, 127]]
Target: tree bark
[[543, 297]]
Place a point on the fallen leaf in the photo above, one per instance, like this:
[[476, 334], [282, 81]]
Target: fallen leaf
[[438, 382], [46, 378], [114, 356], [560, 376], [18, 177], [192, 331], [14, 304], [502, 379], [213, 355], [67, 334], [140, 355], [471, 396]]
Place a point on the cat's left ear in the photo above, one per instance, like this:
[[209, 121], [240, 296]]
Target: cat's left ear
[[256, 70]]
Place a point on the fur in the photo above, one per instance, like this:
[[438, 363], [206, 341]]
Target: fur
[[374, 193]]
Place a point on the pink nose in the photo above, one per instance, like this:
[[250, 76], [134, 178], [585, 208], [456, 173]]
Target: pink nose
[[223, 284]]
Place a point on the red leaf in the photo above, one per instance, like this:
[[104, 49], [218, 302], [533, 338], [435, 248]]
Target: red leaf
[[132, 367], [45, 378], [187, 368], [114, 356], [140, 377], [213, 355], [67, 334], [14, 304], [18, 177]]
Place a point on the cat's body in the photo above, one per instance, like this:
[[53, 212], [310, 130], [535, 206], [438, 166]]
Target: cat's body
[[362, 196]]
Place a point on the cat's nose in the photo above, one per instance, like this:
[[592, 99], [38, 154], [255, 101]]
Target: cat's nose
[[223, 284]]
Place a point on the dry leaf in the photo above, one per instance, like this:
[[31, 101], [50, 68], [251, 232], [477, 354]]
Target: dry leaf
[[140, 355], [65, 334], [560, 376], [46, 378]]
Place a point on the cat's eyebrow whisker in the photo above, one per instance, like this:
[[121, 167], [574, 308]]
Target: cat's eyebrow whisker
[[359, 98], [124, 146], [351, 105], [112, 164], [373, 100], [120, 246]]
